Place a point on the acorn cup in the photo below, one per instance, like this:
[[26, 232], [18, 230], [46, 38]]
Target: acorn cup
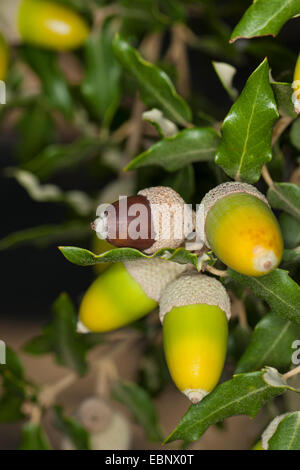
[[124, 293], [194, 311], [108, 428], [241, 229], [45, 24], [155, 218]]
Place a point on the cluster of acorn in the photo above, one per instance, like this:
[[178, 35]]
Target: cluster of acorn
[[239, 227]]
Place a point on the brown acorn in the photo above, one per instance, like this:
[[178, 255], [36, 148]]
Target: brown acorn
[[155, 218]]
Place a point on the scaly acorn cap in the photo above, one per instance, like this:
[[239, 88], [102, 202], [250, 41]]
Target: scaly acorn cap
[[170, 217], [193, 289], [9, 20], [155, 274], [217, 193], [95, 414]]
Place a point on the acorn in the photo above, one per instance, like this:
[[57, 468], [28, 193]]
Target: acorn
[[296, 86], [241, 229], [194, 310], [43, 23], [155, 218], [124, 293], [108, 428], [4, 58]]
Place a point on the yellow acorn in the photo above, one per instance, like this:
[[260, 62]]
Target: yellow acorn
[[43, 23], [241, 229], [4, 58], [194, 310], [296, 86], [122, 295]]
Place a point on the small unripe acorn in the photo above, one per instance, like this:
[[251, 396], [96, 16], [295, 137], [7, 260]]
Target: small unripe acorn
[[155, 218], [4, 58], [43, 23], [241, 229], [194, 310], [109, 429], [122, 295]]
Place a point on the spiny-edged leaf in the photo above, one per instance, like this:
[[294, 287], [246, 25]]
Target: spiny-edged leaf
[[247, 129], [291, 256], [60, 337], [55, 87], [265, 17], [140, 404], [244, 394], [283, 96], [34, 438], [44, 235], [270, 345], [157, 90], [13, 364], [72, 428], [164, 126], [277, 289], [189, 145], [58, 157], [287, 434], [290, 229], [101, 86], [295, 134], [84, 257], [285, 196]]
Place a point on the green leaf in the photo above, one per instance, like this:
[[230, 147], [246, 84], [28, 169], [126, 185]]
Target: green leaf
[[173, 153], [57, 157], [291, 256], [247, 129], [270, 345], [285, 196], [290, 229], [55, 87], [283, 96], [277, 289], [244, 394], [35, 131], [183, 181], [287, 434], [140, 404], [11, 407], [157, 90], [83, 257], [72, 428], [101, 86], [295, 134], [164, 126], [265, 17], [34, 438], [60, 337], [45, 234]]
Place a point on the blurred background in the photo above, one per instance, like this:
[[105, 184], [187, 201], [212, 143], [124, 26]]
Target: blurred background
[[70, 121]]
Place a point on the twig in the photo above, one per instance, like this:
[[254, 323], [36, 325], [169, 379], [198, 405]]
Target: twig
[[291, 373], [177, 53], [266, 176], [280, 127], [238, 310], [217, 272]]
